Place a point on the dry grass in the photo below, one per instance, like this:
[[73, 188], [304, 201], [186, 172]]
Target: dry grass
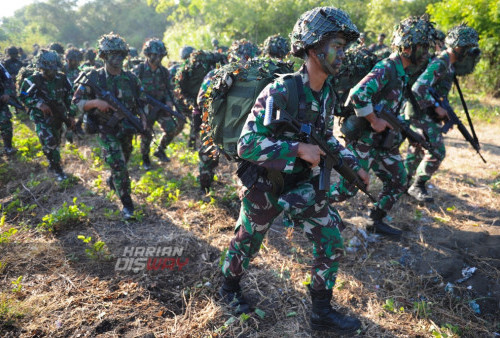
[[66, 293]]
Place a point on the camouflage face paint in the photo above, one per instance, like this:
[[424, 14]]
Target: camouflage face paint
[[115, 60], [331, 54], [154, 59]]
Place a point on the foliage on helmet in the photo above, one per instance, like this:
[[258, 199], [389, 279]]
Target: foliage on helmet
[[357, 63], [73, 54], [154, 46], [215, 42], [242, 49], [413, 31], [461, 36], [48, 59], [112, 43], [317, 25], [276, 46], [57, 47], [186, 52], [12, 50], [439, 35], [89, 55]]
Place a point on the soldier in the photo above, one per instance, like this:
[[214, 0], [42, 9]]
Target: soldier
[[47, 111], [115, 133], [73, 59], [459, 58], [379, 45], [22, 55], [90, 61], [57, 47], [320, 37], [7, 90], [155, 80], [13, 64], [276, 46], [383, 87]]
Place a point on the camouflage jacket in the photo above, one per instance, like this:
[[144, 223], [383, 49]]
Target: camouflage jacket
[[155, 83], [126, 87], [265, 147], [7, 85], [369, 91], [58, 90], [13, 66], [72, 74], [438, 75]]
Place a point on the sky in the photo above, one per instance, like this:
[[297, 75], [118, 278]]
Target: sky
[[9, 7]]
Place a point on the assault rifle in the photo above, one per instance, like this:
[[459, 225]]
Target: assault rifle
[[122, 112], [58, 109], [13, 101], [160, 105], [329, 161], [401, 127], [454, 120]]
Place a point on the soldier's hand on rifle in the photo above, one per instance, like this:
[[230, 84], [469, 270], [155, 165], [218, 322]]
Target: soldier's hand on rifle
[[310, 153], [45, 109], [378, 124], [365, 177], [441, 113], [102, 105], [4, 98]]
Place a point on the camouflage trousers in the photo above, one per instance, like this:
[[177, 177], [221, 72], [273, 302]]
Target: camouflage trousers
[[49, 135], [420, 163], [169, 125], [387, 165], [6, 125], [116, 151], [308, 209]]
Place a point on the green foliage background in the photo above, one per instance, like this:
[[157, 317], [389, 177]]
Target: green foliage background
[[196, 22]]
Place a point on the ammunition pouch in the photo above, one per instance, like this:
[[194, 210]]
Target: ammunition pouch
[[353, 126], [387, 140]]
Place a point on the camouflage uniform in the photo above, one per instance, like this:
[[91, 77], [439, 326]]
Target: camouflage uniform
[[13, 64], [116, 141], [157, 84], [7, 87], [58, 90], [73, 56]]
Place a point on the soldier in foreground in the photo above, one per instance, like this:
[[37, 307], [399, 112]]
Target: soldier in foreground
[[47, 94], [155, 80], [320, 37], [7, 91], [459, 58], [377, 146], [115, 132]]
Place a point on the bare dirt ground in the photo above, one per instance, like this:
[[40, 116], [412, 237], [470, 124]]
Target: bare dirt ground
[[401, 288]]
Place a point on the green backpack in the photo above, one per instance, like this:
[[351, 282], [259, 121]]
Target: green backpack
[[233, 90]]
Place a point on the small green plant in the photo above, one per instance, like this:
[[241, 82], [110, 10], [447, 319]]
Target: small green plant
[[418, 214], [96, 250], [223, 257], [5, 236], [389, 305], [17, 284], [65, 215], [422, 309], [447, 331]]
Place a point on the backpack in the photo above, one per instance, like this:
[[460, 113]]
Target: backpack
[[233, 91], [190, 75]]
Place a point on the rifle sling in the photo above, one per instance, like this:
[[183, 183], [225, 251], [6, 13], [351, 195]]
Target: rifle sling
[[464, 104]]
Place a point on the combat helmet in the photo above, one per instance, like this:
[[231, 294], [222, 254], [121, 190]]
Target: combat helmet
[[12, 50], [73, 54], [57, 47], [89, 55], [185, 52], [439, 35], [242, 49], [319, 24], [133, 52], [462, 36], [48, 59], [413, 31], [276, 46], [111, 43], [154, 46]]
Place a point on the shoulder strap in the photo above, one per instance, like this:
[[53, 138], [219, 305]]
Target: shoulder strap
[[296, 98]]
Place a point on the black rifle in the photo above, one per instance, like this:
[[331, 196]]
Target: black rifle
[[454, 120], [58, 109], [160, 105], [328, 162], [13, 101], [121, 111], [401, 127]]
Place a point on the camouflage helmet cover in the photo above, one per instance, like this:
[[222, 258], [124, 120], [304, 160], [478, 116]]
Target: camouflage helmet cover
[[357, 63], [318, 24], [439, 35], [73, 54], [186, 51], [57, 47], [154, 46], [276, 46], [461, 36], [89, 55], [243, 49], [48, 59], [112, 43], [12, 50], [413, 31], [133, 52]]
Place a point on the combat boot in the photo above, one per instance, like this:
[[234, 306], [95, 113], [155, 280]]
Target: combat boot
[[160, 154], [146, 163], [58, 172], [379, 226], [325, 318], [230, 293], [419, 192], [128, 208]]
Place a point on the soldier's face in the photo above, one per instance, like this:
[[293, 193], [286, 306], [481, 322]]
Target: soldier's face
[[154, 59], [73, 64], [332, 52], [49, 73], [116, 59], [421, 54]]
